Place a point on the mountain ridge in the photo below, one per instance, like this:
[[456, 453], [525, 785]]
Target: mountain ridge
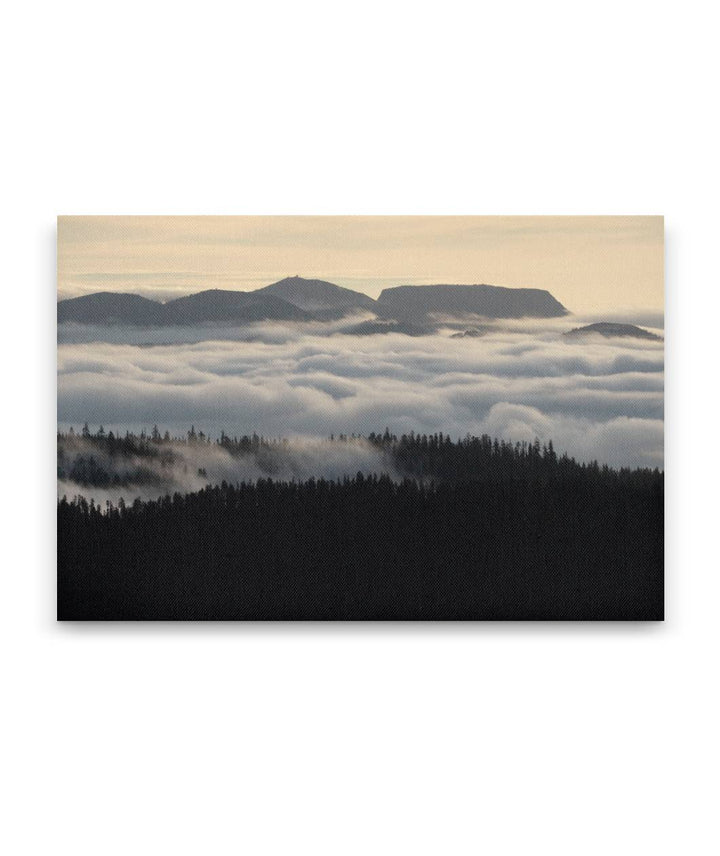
[[299, 299], [491, 301]]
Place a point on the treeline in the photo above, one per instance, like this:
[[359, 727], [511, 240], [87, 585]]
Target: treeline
[[151, 443], [481, 530], [420, 456]]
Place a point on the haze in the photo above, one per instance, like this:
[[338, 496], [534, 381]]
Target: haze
[[590, 264]]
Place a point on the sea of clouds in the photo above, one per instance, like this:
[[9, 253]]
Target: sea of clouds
[[597, 399]]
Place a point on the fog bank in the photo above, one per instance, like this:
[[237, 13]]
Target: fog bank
[[596, 399], [180, 467]]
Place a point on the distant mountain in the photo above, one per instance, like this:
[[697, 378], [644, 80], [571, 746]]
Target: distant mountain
[[472, 333], [409, 308], [323, 299], [372, 328], [106, 307], [607, 329], [215, 306], [218, 306], [490, 301]]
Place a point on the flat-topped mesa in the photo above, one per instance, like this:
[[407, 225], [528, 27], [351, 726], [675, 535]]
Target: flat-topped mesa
[[490, 301]]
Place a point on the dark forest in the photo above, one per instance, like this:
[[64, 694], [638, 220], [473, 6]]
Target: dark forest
[[474, 528]]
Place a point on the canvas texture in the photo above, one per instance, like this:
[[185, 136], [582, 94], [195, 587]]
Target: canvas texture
[[360, 418]]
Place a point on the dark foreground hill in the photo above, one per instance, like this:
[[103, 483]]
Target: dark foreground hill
[[475, 529], [611, 330]]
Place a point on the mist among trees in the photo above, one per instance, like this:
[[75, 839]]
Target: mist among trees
[[471, 528]]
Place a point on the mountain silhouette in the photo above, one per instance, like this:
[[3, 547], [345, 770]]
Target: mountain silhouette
[[105, 307], [323, 299], [608, 329], [212, 306], [226, 307], [410, 307], [490, 301]]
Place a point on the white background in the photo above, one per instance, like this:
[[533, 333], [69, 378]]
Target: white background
[[359, 739]]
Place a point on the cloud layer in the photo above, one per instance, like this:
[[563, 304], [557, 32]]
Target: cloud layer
[[597, 399]]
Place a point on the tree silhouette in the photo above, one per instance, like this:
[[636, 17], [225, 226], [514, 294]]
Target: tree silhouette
[[476, 528]]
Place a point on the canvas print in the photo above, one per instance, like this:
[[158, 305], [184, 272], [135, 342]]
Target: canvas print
[[360, 418]]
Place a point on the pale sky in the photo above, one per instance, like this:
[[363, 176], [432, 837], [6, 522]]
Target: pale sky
[[590, 264]]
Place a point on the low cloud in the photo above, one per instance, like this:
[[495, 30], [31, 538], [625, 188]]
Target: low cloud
[[184, 468], [595, 399]]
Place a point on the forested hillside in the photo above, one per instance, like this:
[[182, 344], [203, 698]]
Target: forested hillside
[[473, 529]]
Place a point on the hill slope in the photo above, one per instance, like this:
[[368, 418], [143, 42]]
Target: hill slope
[[608, 329], [212, 306], [323, 299], [220, 306], [106, 307]]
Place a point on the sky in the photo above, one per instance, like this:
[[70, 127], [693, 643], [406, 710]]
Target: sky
[[590, 264]]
